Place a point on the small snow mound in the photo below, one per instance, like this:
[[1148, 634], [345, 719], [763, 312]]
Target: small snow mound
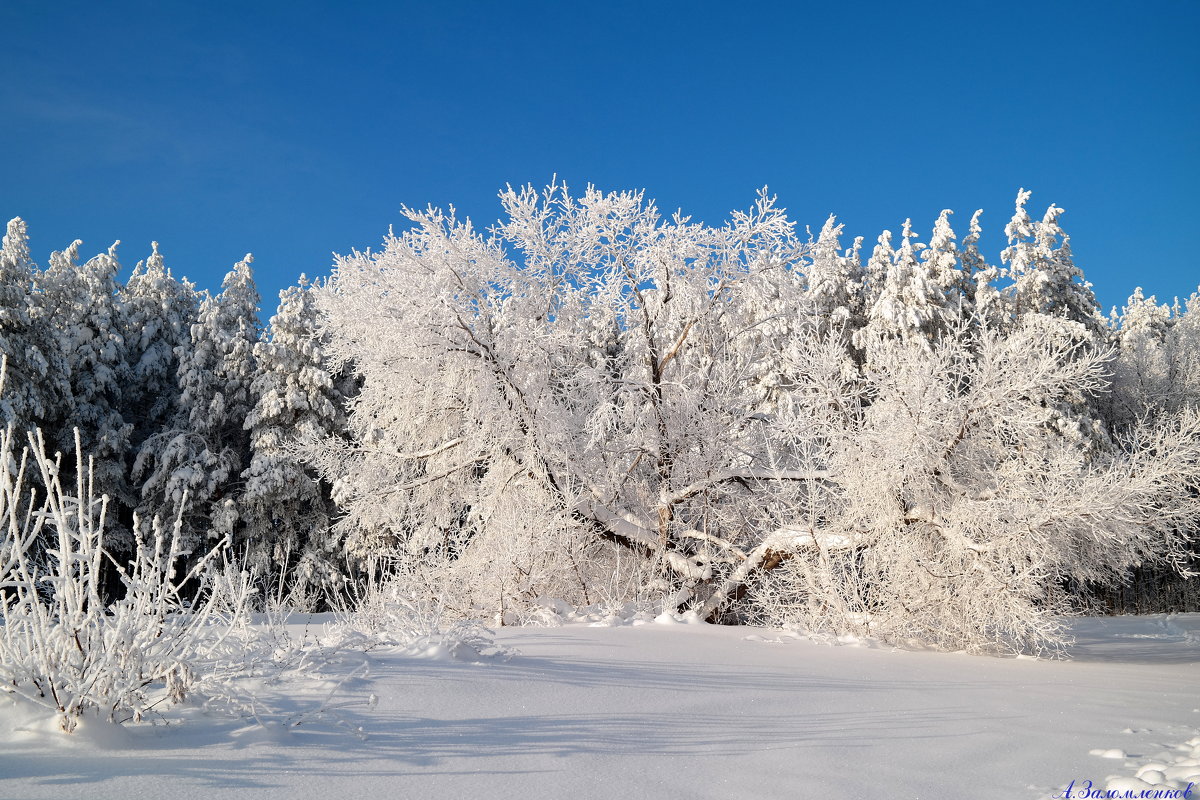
[[22, 722], [1152, 776], [546, 612], [1166, 772], [1183, 773], [1152, 766], [1110, 753], [840, 639], [442, 647], [754, 637], [553, 604], [686, 618], [1127, 785], [266, 732]]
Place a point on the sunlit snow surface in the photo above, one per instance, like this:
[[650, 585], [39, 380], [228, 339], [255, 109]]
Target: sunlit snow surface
[[653, 710]]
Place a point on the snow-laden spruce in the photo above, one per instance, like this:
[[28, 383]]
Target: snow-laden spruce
[[592, 395], [286, 512], [36, 390], [79, 303], [190, 469], [158, 313]]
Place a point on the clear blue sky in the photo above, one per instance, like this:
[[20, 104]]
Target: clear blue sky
[[298, 129]]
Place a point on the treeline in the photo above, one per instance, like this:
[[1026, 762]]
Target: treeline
[[594, 402], [187, 405]]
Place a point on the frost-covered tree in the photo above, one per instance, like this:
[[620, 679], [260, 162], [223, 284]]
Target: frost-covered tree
[[859, 300], [948, 515], [874, 301], [159, 312], [1155, 374], [286, 510], [600, 389], [80, 304], [1182, 342], [34, 393], [912, 305], [834, 281], [196, 465], [1046, 283], [940, 262], [981, 297], [1156, 370], [1144, 372], [1045, 279], [876, 270]]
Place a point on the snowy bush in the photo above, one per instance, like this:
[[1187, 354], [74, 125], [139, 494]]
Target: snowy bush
[[63, 644]]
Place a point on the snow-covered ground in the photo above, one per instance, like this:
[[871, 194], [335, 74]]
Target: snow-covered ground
[[672, 711]]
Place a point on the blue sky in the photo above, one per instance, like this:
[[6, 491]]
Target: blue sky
[[294, 130]]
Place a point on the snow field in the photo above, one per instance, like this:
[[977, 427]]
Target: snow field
[[623, 709]]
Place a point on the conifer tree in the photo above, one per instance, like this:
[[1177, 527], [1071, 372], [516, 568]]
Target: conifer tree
[[1048, 290], [875, 277], [876, 270], [286, 511], [940, 263], [196, 465], [980, 296], [159, 312], [859, 307], [30, 395], [1146, 370], [1045, 279], [912, 305], [832, 282], [81, 303]]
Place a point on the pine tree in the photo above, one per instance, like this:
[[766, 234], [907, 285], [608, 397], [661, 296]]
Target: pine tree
[[940, 263], [980, 295], [81, 302], [31, 392], [876, 270], [832, 282], [1144, 380], [912, 305], [159, 312], [875, 276], [1045, 279], [1144, 320], [286, 511], [1049, 291], [859, 307], [196, 465]]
